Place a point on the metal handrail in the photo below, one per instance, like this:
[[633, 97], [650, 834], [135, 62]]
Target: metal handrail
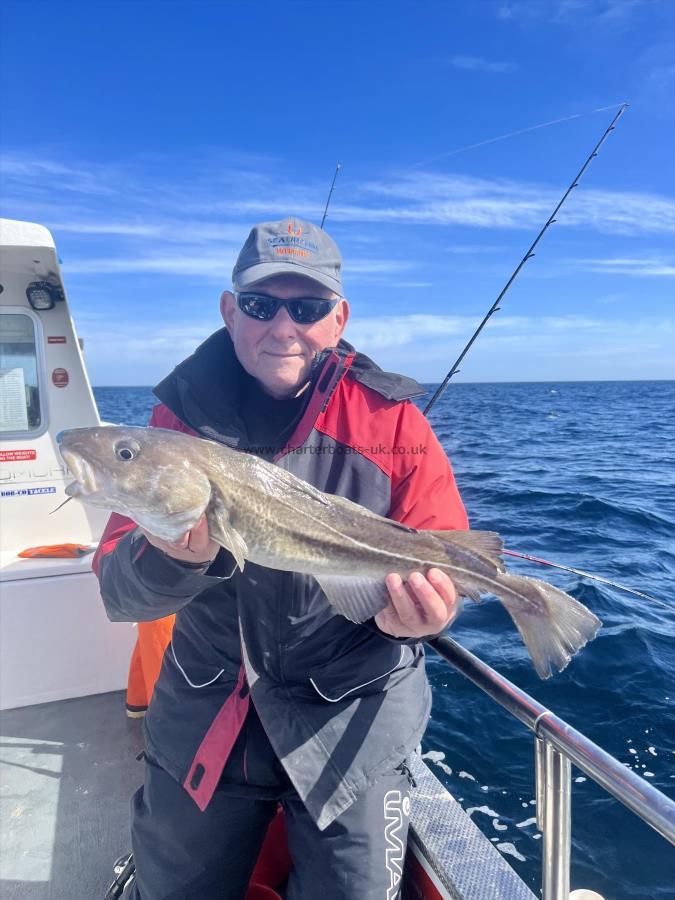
[[557, 745]]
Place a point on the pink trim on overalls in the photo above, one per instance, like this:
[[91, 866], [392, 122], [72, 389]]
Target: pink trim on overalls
[[214, 750]]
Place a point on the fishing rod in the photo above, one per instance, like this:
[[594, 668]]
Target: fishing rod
[[493, 309], [528, 255], [330, 193]]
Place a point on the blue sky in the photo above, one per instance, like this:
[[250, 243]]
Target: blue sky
[[150, 136]]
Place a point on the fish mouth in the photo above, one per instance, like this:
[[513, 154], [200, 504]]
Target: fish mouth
[[85, 478]]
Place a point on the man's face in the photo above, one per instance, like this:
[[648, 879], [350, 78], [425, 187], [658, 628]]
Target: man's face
[[279, 353]]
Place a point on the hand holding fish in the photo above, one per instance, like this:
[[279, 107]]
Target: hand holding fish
[[420, 606], [195, 546]]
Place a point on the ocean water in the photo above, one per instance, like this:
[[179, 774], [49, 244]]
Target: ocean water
[[581, 473]]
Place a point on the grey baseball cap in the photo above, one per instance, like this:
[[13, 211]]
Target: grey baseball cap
[[291, 246]]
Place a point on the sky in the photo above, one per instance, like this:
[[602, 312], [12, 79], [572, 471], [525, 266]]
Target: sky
[[150, 136]]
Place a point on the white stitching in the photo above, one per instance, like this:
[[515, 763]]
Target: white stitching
[[206, 683], [227, 577], [365, 683]]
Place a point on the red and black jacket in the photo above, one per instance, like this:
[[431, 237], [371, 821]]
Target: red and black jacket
[[341, 703]]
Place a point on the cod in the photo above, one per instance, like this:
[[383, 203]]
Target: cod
[[165, 481]]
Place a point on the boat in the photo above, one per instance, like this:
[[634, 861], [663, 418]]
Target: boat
[[71, 755]]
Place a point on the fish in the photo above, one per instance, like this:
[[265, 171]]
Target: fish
[[165, 481]]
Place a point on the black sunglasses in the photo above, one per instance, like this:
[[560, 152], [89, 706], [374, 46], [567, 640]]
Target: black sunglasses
[[304, 311]]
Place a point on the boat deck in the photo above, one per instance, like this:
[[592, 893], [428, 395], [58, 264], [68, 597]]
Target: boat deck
[[68, 771]]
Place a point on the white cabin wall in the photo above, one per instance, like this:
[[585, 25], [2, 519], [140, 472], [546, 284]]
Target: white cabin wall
[[25, 519]]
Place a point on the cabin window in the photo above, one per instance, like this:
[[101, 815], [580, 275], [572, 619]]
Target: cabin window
[[20, 409]]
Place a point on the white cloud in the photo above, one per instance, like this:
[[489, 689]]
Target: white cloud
[[517, 348], [114, 228], [175, 231], [649, 267], [478, 64], [133, 353], [570, 12], [215, 264], [211, 266], [401, 331], [428, 198], [143, 206], [34, 172], [378, 266], [470, 249], [520, 348]]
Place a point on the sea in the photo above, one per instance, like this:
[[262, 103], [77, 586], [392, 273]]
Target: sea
[[582, 474]]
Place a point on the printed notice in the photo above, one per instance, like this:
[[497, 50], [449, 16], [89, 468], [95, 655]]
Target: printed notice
[[17, 455], [13, 409]]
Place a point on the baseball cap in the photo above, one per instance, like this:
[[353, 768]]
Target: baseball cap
[[291, 246]]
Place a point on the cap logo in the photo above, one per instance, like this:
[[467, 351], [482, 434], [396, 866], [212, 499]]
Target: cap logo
[[292, 243]]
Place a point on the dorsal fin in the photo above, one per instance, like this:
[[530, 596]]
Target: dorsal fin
[[486, 544]]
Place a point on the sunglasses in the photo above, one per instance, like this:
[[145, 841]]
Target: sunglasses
[[304, 311]]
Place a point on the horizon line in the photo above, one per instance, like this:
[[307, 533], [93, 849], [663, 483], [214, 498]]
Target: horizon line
[[436, 383]]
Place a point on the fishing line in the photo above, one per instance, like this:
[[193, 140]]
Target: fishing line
[[614, 584], [60, 505], [510, 134]]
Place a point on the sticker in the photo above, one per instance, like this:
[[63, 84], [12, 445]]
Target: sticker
[[28, 492], [56, 339], [60, 378], [17, 455]]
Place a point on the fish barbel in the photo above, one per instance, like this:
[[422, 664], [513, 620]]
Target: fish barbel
[[165, 481]]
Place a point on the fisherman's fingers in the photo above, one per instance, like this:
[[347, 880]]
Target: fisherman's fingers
[[435, 599], [193, 546], [445, 587], [199, 541], [416, 608]]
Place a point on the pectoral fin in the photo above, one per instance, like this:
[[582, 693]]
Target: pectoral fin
[[222, 531], [357, 599]]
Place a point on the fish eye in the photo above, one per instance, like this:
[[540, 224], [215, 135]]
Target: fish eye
[[127, 450]]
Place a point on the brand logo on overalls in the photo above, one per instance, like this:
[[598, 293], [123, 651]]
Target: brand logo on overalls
[[396, 807]]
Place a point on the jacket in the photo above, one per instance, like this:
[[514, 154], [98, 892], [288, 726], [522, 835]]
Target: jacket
[[341, 703]]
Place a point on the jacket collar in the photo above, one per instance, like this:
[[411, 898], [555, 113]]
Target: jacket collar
[[204, 391]]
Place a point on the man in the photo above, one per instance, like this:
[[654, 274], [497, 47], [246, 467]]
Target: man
[[266, 695]]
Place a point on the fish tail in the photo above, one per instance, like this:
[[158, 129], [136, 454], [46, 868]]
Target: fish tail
[[553, 625]]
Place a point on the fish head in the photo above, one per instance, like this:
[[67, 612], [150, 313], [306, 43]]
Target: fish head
[[151, 475]]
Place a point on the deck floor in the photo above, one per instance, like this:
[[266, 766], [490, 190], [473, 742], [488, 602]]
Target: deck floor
[[69, 768], [67, 771]]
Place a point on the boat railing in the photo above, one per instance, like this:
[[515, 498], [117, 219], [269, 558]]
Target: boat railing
[[557, 745]]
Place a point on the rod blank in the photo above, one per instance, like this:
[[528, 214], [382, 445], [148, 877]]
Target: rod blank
[[528, 255]]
